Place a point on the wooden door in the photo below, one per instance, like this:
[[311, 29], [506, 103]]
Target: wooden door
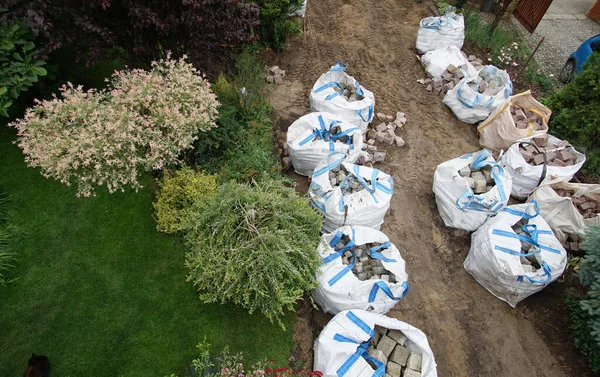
[[530, 12]]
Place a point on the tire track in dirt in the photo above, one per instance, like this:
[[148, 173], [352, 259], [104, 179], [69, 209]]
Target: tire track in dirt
[[471, 332]]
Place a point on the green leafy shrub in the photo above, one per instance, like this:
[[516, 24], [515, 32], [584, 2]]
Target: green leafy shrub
[[242, 147], [576, 113], [177, 194], [275, 23], [253, 246], [142, 122], [585, 314], [19, 69]]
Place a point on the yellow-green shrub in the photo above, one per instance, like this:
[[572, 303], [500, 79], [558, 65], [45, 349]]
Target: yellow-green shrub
[[177, 194]]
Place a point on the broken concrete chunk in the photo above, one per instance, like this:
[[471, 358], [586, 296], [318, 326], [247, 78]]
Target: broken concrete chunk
[[382, 117], [400, 141]]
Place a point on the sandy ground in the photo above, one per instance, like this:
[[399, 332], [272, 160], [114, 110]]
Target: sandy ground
[[471, 332]]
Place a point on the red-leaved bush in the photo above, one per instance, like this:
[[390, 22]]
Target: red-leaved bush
[[145, 29], [143, 121]]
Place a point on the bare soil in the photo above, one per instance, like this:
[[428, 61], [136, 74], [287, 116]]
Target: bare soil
[[471, 332]]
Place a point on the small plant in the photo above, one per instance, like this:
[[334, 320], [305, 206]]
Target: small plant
[[19, 68], [576, 114], [253, 246], [585, 342], [109, 137], [177, 194], [225, 364]]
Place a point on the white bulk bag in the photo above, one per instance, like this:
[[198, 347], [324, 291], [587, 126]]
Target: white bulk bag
[[436, 61], [494, 258], [457, 204], [324, 98], [366, 207], [560, 213], [339, 289], [468, 104], [309, 140], [301, 11], [341, 348], [499, 131], [443, 31], [527, 177]]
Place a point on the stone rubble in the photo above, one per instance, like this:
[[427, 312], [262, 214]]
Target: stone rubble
[[532, 261], [452, 76], [524, 118], [367, 268], [587, 207], [481, 181], [389, 347], [556, 154], [348, 92], [384, 132], [275, 75]]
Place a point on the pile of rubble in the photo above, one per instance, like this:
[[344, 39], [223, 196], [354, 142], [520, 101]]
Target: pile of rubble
[[349, 92], [556, 154], [530, 262], [365, 267], [523, 118], [481, 181], [452, 76], [384, 133], [275, 75], [389, 347], [338, 176], [588, 208]]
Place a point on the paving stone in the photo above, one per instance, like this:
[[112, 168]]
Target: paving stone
[[381, 127], [377, 354], [379, 156], [470, 182], [400, 141], [411, 373], [382, 117], [386, 345], [371, 142], [465, 172], [414, 362], [393, 369], [398, 336], [400, 354]]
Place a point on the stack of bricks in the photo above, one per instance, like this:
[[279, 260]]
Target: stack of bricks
[[559, 155], [348, 92], [384, 133], [481, 181], [389, 347], [573, 242], [524, 118], [347, 181], [275, 75], [365, 267], [587, 207], [530, 263]]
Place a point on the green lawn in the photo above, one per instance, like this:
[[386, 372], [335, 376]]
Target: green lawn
[[101, 292]]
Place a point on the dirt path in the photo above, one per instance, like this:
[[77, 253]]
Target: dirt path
[[471, 332]]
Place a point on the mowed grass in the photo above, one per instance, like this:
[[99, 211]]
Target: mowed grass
[[101, 292]]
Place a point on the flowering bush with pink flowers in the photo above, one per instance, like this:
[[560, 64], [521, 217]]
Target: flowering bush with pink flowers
[[143, 121]]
